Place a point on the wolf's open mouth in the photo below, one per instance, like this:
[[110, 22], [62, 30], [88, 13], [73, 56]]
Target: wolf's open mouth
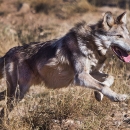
[[121, 54]]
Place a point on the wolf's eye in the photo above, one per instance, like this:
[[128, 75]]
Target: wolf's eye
[[119, 36]]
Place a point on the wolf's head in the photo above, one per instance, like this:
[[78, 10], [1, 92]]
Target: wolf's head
[[112, 33]]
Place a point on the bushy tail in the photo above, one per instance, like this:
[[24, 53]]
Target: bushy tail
[[1, 67]]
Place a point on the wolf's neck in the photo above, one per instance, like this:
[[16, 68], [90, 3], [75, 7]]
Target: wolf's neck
[[102, 43]]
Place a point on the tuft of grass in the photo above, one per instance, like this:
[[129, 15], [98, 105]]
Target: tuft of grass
[[8, 38]]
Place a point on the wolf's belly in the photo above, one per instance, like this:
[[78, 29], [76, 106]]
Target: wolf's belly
[[57, 76]]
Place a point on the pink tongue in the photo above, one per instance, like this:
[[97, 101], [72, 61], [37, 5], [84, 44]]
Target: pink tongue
[[126, 58], [124, 55]]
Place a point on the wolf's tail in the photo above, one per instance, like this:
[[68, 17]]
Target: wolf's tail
[[1, 67]]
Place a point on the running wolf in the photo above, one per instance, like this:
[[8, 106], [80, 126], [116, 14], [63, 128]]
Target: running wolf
[[76, 58]]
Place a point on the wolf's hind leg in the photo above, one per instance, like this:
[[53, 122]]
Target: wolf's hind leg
[[108, 80], [18, 82]]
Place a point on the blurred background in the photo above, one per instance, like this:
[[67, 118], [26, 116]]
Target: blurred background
[[72, 108], [23, 21], [125, 4]]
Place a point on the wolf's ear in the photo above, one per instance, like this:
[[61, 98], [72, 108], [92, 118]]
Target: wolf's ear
[[122, 18], [108, 20]]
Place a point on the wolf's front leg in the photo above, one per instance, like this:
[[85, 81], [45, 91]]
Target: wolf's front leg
[[86, 80], [106, 79], [108, 82]]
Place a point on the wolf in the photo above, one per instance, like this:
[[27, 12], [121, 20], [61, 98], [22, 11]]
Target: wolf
[[75, 59]]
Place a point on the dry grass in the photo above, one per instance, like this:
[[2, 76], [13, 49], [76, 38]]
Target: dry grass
[[7, 37], [72, 108]]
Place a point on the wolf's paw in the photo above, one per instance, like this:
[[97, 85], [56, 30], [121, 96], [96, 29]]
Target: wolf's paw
[[106, 91], [98, 96], [119, 98]]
